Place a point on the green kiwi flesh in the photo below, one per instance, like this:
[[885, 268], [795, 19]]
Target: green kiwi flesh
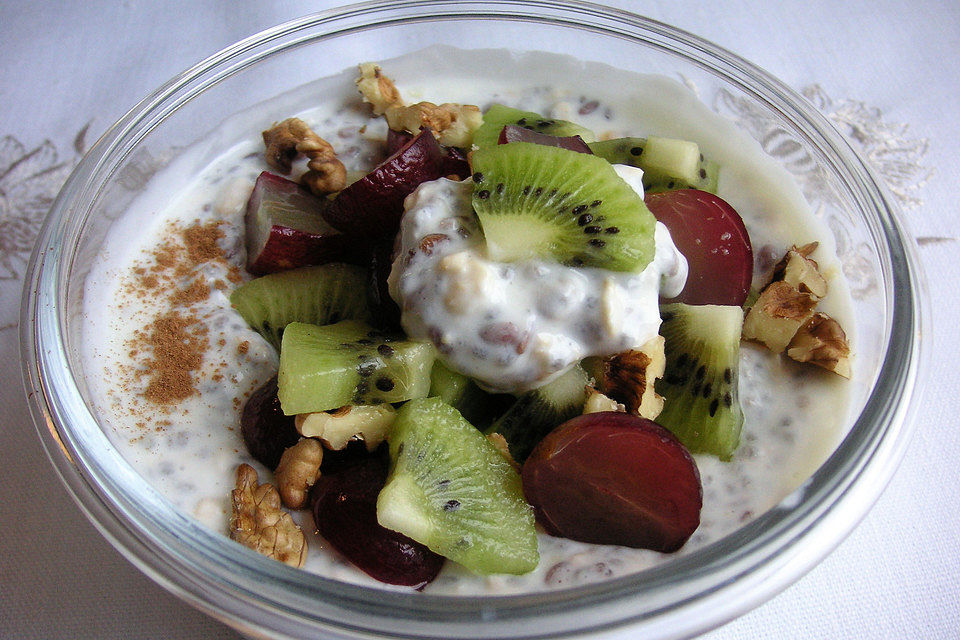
[[451, 490], [460, 392], [316, 295], [498, 116], [667, 163], [538, 412], [699, 386], [326, 367], [548, 203]]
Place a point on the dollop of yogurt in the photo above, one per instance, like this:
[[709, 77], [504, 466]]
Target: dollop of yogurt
[[515, 326]]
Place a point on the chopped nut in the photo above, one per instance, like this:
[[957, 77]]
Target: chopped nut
[[777, 315], [369, 423], [297, 471], [468, 281], [377, 89], [287, 140], [800, 272], [821, 341], [258, 521], [597, 402], [629, 377], [452, 124], [500, 443]]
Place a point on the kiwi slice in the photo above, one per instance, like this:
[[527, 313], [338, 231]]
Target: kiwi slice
[[498, 116], [535, 201], [699, 386], [326, 367], [451, 490], [316, 295], [463, 394], [667, 163], [538, 412]]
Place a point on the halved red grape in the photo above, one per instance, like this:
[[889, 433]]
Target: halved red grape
[[516, 133], [267, 432], [614, 478], [285, 229], [345, 512], [372, 206], [385, 312], [712, 237], [455, 163], [396, 140]]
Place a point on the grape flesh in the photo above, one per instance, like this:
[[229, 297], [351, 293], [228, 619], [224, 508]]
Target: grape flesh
[[614, 478], [267, 432], [373, 205], [345, 512], [712, 237]]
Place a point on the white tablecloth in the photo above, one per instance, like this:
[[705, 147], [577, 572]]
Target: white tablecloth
[[69, 71]]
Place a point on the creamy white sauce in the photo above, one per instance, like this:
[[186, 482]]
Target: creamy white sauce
[[793, 415], [515, 326]]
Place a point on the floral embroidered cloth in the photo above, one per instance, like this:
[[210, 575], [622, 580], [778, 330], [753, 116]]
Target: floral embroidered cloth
[[880, 71]]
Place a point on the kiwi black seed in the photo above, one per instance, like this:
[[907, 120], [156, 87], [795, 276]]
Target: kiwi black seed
[[450, 489], [326, 367], [672, 164], [549, 221], [699, 385], [320, 295]]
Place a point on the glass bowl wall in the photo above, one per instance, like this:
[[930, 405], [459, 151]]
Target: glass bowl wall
[[257, 595]]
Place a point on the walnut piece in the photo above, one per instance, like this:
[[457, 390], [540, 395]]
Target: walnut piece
[[377, 89], [629, 378], [452, 124], [336, 428], [258, 521], [597, 402], [297, 471], [500, 444], [821, 341], [287, 140], [800, 272], [777, 315]]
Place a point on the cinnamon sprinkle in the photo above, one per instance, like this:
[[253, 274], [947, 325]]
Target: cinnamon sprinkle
[[173, 345], [179, 344]]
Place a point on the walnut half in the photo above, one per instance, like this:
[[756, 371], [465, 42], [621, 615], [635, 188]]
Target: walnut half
[[287, 140], [297, 471], [258, 521]]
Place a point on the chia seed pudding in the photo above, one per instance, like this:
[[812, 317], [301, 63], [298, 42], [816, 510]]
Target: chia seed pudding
[[166, 270]]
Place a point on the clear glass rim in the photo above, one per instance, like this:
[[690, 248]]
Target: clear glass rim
[[740, 570]]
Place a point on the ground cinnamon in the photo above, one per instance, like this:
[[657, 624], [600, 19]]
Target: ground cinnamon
[[179, 344], [172, 346]]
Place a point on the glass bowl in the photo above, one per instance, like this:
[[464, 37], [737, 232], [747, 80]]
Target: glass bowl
[[688, 595]]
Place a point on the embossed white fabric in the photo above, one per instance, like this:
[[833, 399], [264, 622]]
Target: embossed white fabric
[[884, 71]]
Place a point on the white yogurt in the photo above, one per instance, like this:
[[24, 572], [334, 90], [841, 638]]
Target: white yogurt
[[189, 451], [515, 326]]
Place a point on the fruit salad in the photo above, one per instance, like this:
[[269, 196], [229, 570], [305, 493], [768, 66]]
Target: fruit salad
[[532, 336]]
